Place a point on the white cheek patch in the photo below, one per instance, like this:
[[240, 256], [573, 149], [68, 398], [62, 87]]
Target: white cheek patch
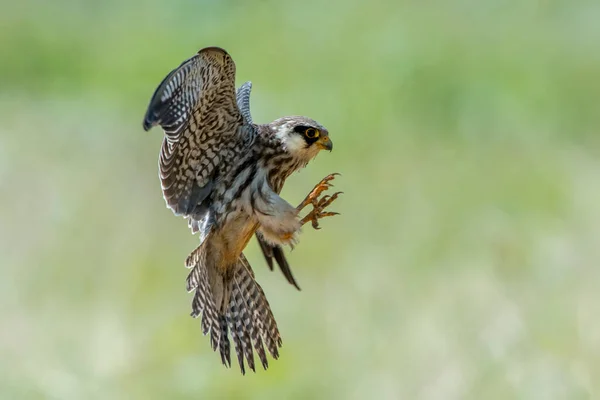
[[295, 144]]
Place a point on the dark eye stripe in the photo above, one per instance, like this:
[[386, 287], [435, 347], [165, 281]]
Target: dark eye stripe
[[300, 128]]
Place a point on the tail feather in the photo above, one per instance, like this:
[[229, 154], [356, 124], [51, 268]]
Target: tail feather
[[245, 313], [263, 317], [254, 303], [224, 343], [259, 324], [257, 341], [232, 320], [203, 302], [270, 332], [242, 324]]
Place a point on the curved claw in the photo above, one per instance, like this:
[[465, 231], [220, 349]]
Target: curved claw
[[319, 204], [328, 214], [327, 200], [314, 194]]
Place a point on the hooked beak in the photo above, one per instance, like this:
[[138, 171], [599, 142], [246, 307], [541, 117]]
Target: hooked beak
[[325, 143]]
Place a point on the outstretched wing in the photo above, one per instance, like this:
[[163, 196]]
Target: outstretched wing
[[196, 107]]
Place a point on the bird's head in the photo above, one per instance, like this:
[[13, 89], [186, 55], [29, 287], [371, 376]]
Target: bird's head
[[302, 137]]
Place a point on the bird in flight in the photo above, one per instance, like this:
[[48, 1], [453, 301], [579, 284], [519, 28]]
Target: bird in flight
[[223, 173]]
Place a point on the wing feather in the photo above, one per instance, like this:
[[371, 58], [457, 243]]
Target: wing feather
[[243, 101], [196, 107], [271, 252]]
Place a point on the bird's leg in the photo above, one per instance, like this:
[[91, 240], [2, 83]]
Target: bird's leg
[[319, 204]]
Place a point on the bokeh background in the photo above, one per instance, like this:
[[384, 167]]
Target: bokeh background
[[465, 264]]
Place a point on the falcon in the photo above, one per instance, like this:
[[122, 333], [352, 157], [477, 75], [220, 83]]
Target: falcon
[[224, 173]]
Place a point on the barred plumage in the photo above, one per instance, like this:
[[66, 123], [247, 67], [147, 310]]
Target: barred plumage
[[223, 173], [203, 301]]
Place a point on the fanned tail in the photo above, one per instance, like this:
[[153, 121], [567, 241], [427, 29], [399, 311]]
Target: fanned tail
[[243, 311]]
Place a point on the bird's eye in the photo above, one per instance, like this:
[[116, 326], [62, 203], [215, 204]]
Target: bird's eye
[[311, 133]]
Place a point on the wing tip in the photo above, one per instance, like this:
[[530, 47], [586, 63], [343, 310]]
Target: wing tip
[[151, 118], [147, 125], [213, 49], [296, 285]]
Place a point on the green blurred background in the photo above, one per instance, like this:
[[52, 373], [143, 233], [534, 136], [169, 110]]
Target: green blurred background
[[465, 264]]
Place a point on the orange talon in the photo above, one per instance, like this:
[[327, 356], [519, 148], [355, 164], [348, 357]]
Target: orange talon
[[319, 204]]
